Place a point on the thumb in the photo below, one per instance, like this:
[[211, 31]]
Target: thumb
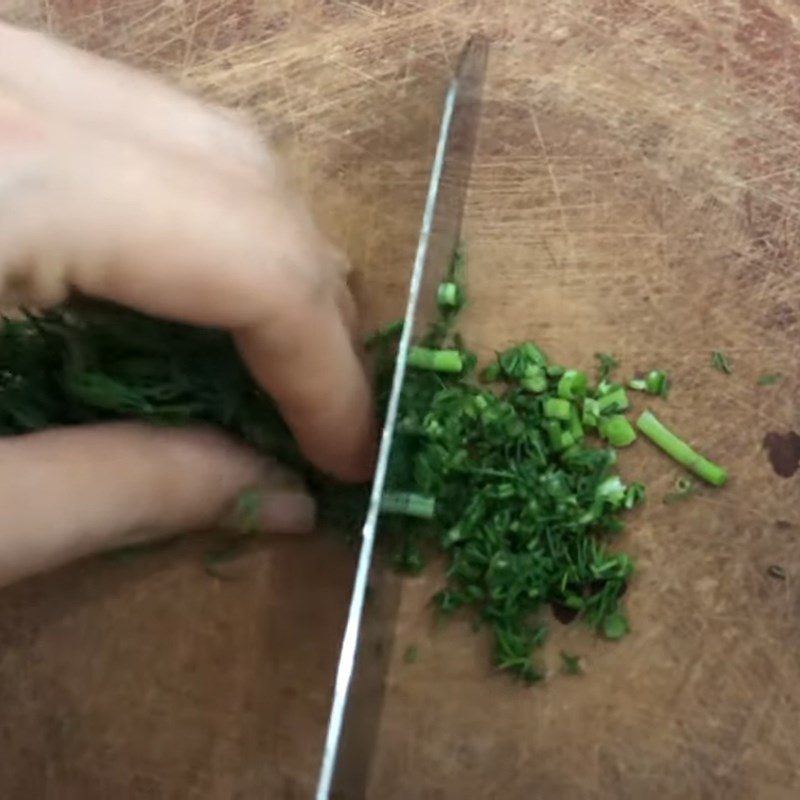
[[70, 492]]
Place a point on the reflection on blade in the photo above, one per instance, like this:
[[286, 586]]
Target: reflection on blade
[[439, 235]]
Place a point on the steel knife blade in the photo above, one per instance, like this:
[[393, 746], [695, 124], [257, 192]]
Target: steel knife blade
[[439, 236]]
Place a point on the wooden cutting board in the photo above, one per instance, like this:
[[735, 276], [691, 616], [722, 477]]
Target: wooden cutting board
[[636, 191]]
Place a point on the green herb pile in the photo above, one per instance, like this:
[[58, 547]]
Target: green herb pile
[[505, 482], [510, 475]]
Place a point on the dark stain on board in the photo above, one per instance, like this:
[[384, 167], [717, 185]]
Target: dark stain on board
[[783, 450]]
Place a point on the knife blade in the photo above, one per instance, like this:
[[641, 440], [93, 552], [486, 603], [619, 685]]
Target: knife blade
[[439, 236]]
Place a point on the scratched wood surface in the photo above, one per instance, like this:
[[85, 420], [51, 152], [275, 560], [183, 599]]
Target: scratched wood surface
[[636, 191]]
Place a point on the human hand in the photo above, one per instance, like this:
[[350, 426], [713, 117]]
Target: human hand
[[120, 188]]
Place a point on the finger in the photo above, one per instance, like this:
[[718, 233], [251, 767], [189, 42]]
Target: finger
[[312, 371], [104, 95], [70, 492]]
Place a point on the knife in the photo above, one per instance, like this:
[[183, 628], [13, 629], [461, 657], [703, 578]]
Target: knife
[[439, 236]]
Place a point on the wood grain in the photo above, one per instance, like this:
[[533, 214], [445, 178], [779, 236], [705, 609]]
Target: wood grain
[[636, 191]]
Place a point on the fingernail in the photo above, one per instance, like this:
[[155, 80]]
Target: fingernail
[[287, 512]]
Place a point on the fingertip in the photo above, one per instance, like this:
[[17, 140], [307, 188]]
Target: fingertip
[[357, 464], [323, 392], [340, 438]]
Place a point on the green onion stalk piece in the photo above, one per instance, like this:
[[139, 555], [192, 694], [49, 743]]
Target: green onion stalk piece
[[449, 295], [435, 360], [676, 448], [616, 399], [617, 430], [409, 504]]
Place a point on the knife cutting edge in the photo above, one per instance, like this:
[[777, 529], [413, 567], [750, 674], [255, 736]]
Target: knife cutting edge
[[439, 235]]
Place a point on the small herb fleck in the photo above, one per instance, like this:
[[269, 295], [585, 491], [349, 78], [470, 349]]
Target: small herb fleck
[[606, 365], [721, 362], [248, 511], [615, 626], [770, 378], [411, 655], [571, 664]]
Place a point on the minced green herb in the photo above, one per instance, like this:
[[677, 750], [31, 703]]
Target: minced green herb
[[615, 626], [606, 364], [769, 379], [571, 664], [721, 362], [411, 654], [524, 502], [248, 511]]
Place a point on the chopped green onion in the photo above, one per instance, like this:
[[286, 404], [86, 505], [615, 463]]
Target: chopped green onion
[[617, 430], [566, 441], [612, 489], [559, 438], [553, 430], [604, 387], [516, 361], [492, 373], [572, 384], [449, 295], [535, 379], [614, 400], [591, 412], [409, 504], [634, 495], [435, 360], [557, 408], [615, 626], [575, 427], [655, 383], [676, 448]]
